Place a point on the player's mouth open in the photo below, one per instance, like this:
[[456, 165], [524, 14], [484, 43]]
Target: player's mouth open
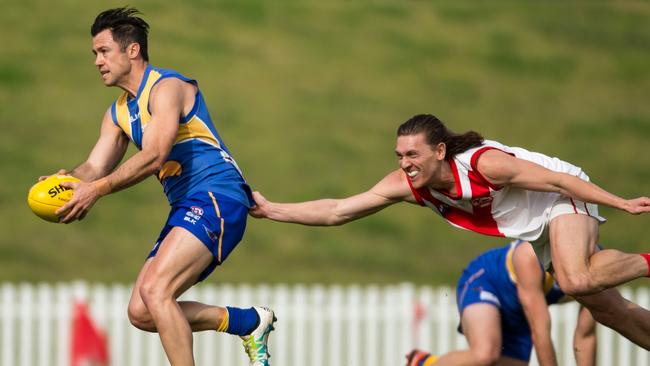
[[412, 173]]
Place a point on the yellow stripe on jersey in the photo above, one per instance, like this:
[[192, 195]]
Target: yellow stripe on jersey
[[216, 207], [143, 99], [195, 128], [122, 114]]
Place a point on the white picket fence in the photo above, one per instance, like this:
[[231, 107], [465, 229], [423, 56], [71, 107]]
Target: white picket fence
[[317, 325]]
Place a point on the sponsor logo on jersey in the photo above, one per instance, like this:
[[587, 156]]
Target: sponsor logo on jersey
[[197, 210], [193, 215], [482, 201], [134, 117]]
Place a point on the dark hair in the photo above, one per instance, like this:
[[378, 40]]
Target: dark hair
[[125, 27], [436, 132]]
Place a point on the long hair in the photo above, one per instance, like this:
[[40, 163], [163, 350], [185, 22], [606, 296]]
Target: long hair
[[436, 132], [125, 26]]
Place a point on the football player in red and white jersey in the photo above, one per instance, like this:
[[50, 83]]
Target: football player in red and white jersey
[[493, 189]]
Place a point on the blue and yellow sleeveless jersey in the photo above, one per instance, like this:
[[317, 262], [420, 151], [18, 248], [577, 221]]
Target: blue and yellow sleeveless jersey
[[500, 271], [198, 160]]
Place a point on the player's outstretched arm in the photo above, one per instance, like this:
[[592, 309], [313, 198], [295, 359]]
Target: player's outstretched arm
[[329, 212], [531, 295], [503, 169]]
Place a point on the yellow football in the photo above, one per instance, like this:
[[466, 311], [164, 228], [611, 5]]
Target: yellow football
[[47, 196]]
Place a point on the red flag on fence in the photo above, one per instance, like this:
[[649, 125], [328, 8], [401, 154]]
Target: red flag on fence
[[419, 312], [88, 346]]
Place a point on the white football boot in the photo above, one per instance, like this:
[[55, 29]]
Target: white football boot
[[256, 343]]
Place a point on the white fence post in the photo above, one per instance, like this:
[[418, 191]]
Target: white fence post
[[389, 328], [7, 310], [317, 325], [299, 311], [372, 313], [25, 307], [44, 316], [334, 313], [62, 305], [405, 312], [281, 337], [317, 296], [116, 332], [352, 334], [444, 307]]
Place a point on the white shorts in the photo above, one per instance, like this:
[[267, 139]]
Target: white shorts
[[563, 206]]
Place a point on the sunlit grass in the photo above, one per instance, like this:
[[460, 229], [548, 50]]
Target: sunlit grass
[[308, 96]]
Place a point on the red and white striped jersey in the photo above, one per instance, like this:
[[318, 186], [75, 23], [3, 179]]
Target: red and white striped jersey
[[484, 208]]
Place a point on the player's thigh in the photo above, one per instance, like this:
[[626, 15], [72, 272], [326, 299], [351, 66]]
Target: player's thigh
[[481, 324], [573, 240], [178, 262]]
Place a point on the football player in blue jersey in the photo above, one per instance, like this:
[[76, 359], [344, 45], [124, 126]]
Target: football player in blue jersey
[[503, 297], [163, 113]]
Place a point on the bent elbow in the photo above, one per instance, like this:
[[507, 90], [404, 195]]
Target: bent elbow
[[155, 166], [338, 222], [333, 221], [154, 163]]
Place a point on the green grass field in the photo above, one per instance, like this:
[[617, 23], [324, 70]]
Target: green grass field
[[308, 95]]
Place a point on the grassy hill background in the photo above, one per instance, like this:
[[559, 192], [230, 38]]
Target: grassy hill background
[[308, 95]]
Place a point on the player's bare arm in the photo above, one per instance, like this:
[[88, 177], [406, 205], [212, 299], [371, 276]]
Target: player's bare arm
[[533, 301], [501, 169], [106, 154], [167, 102], [329, 212]]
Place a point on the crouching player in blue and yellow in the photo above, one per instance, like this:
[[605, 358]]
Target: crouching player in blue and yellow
[[503, 297]]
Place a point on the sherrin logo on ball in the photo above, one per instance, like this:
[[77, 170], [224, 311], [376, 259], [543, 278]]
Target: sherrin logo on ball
[[47, 196]]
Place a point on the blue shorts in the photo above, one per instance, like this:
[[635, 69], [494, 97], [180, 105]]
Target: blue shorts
[[475, 287], [218, 221]]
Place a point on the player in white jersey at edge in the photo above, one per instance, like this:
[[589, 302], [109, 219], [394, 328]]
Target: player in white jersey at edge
[[493, 189]]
